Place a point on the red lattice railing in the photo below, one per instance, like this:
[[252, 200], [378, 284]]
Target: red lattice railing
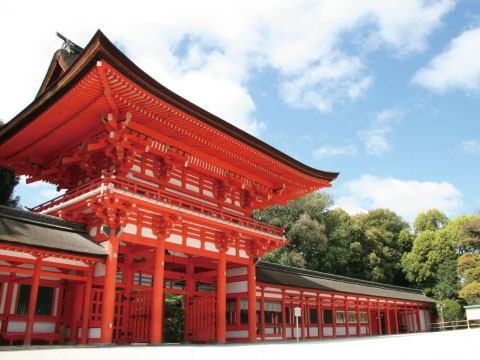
[[147, 192]]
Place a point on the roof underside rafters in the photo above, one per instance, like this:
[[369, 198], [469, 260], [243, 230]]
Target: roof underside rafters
[[69, 114]]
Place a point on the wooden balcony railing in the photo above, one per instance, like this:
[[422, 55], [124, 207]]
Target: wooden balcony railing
[[147, 192]]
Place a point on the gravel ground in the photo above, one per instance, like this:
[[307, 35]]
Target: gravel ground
[[458, 345]]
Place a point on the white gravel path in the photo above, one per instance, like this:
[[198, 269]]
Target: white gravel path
[[455, 345]]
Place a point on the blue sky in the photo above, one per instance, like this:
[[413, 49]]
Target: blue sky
[[385, 92]]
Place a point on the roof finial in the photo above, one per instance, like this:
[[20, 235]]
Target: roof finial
[[69, 45]]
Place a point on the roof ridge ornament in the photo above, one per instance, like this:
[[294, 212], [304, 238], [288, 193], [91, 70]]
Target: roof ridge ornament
[[69, 45]]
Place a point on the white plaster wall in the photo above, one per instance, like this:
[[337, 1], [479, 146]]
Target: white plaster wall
[[353, 330], [237, 334], [313, 331], [209, 246], [237, 287], [194, 243], [44, 327], [289, 332], [423, 326], [341, 331], [16, 326], [237, 271], [363, 330], [328, 331], [99, 270], [175, 238], [93, 333]]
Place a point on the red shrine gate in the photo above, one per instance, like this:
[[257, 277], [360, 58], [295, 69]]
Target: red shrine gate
[[164, 186]]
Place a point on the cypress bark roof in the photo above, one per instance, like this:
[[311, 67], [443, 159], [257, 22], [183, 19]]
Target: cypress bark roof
[[31, 230], [308, 279]]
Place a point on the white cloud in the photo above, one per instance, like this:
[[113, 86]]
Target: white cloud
[[470, 147], [406, 198], [329, 151], [207, 51], [375, 136], [458, 67]]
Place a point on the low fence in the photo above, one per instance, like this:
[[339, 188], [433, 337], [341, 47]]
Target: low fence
[[455, 325]]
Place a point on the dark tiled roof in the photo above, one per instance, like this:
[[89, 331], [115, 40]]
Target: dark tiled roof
[[308, 279], [28, 229]]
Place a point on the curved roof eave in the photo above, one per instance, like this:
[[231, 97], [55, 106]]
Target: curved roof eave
[[101, 48]]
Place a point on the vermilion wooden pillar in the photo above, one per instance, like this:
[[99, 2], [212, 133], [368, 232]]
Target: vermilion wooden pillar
[[252, 302], [262, 315], [158, 294], [319, 317], [347, 323], [8, 304], [389, 331], [406, 318], [284, 318], [222, 297], [334, 318], [379, 321], [109, 289], [87, 296], [78, 290], [396, 319], [32, 302], [302, 317]]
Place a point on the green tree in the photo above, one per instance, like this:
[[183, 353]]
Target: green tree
[[431, 249], [174, 318], [432, 220], [380, 235], [453, 310], [8, 181], [303, 220], [447, 284], [469, 261]]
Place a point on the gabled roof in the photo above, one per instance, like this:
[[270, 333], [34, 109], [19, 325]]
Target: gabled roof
[[308, 279], [208, 132], [31, 230]]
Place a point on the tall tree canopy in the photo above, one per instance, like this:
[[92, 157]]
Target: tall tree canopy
[[8, 181], [469, 261], [434, 247], [367, 246], [432, 220]]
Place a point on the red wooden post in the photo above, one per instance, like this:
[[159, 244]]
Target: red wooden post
[[76, 311], [396, 319], [8, 304], [359, 329], [190, 287], [319, 317], [418, 318], [387, 311], [109, 289], [369, 318], [334, 318], [302, 317], [379, 323], [127, 286], [32, 302], [221, 297], [262, 315], [158, 294], [86, 305], [347, 323], [252, 302], [406, 318], [284, 318]]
